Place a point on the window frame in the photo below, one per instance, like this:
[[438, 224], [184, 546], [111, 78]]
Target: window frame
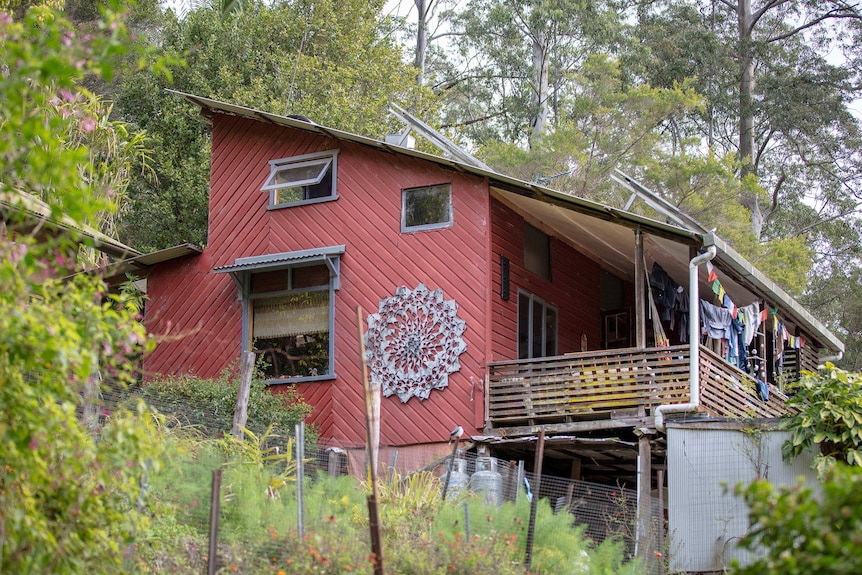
[[243, 270], [450, 221], [532, 301], [330, 160]]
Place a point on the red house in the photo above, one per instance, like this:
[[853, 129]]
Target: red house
[[489, 302]]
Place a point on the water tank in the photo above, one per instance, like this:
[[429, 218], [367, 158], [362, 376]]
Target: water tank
[[487, 482]]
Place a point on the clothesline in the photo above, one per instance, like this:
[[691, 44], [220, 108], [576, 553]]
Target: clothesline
[[793, 341]]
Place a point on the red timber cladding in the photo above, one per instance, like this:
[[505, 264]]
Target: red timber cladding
[[378, 259], [574, 289]]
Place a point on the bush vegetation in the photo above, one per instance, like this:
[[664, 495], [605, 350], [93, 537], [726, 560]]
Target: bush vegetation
[[422, 535], [210, 403]]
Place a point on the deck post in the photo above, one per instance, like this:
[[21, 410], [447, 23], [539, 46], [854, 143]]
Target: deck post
[[644, 504], [640, 291]]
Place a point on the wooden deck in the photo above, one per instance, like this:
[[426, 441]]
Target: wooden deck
[[569, 391]]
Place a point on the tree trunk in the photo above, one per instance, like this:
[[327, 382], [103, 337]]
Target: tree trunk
[[540, 88], [746, 88], [421, 41]]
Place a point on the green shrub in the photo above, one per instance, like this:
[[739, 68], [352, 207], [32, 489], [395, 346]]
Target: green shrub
[[801, 532], [210, 403]]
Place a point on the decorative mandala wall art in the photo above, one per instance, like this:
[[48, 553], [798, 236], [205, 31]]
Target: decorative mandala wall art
[[413, 342]]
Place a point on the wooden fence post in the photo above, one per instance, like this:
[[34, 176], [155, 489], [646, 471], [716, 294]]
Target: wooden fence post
[[240, 415], [215, 505]]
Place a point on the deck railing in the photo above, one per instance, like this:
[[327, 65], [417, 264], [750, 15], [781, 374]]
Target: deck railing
[[582, 386]]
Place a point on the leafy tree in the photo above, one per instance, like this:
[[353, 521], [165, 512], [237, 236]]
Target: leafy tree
[[830, 415], [68, 503], [328, 61], [790, 125], [601, 125], [515, 59], [802, 531]]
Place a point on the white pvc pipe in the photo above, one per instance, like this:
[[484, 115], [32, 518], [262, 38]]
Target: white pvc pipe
[[693, 342], [832, 358]]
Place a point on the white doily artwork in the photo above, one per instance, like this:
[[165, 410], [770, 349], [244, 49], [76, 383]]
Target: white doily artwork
[[413, 342]]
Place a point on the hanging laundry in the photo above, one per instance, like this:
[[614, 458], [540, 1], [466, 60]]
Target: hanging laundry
[[682, 308], [751, 320], [664, 291], [737, 354], [715, 321]]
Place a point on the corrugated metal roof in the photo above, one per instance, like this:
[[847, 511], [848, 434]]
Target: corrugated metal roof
[[35, 208], [139, 265], [280, 259]]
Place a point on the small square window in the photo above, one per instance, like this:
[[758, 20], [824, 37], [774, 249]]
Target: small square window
[[426, 208], [301, 180]]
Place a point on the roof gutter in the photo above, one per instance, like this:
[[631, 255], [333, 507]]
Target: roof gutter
[[694, 342]]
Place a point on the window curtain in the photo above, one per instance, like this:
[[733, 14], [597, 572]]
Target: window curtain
[[294, 314]]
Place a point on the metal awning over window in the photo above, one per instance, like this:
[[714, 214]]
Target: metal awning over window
[[329, 255]]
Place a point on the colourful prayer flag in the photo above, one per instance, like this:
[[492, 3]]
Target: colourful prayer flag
[[712, 276]]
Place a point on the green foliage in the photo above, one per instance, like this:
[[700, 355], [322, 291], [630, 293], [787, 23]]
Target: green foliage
[[602, 125], [210, 403], [830, 404], [70, 496], [421, 533], [803, 531]]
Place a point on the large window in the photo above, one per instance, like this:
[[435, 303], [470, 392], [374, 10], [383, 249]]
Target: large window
[[426, 208], [288, 303], [302, 179], [537, 327]]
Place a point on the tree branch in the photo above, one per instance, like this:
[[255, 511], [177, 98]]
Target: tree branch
[[777, 188], [473, 121], [733, 7], [831, 15], [766, 8], [843, 214]]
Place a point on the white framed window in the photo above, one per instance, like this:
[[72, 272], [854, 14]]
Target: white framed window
[[537, 327], [288, 305], [426, 208], [305, 179]]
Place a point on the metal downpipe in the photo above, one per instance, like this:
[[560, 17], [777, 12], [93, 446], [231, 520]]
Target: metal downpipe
[[694, 342]]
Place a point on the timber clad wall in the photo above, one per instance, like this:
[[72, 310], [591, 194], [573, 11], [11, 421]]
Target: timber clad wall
[[574, 289], [378, 259]]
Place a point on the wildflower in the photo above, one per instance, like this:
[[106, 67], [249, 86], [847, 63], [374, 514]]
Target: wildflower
[[281, 572], [88, 124], [331, 519], [233, 568], [657, 553]]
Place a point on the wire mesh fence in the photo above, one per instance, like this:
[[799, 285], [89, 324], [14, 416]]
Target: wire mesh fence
[[258, 518]]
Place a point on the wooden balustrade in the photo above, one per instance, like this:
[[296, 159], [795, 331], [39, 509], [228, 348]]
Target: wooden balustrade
[[593, 385], [726, 391]]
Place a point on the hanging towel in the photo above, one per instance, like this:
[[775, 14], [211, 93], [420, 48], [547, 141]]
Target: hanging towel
[[752, 321]]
